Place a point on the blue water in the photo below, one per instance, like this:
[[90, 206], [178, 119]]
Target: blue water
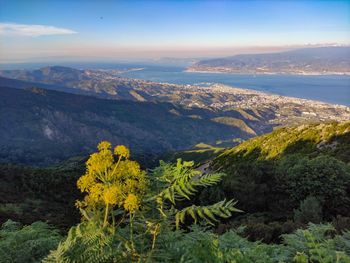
[[332, 89]]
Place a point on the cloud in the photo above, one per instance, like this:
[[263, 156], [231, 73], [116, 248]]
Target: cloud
[[13, 29]]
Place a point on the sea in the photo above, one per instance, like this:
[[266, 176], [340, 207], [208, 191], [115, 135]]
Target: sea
[[333, 89]]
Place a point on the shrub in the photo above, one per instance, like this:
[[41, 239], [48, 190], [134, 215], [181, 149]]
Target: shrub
[[26, 243], [322, 176], [310, 210], [317, 244]]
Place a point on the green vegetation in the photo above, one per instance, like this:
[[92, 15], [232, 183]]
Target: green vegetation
[[200, 154], [26, 243], [90, 244], [287, 178], [124, 217], [281, 197], [28, 194], [331, 138], [310, 210]]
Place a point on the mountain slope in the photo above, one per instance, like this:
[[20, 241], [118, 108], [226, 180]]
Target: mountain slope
[[304, 138], [43, 127], [274, 173], [322, 60]]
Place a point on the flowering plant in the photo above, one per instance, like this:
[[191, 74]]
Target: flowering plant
[[111, 181]]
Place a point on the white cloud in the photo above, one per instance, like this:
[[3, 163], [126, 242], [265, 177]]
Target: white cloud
[[13, 29]]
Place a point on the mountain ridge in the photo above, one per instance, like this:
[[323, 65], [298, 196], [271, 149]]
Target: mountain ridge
[[306, 61]]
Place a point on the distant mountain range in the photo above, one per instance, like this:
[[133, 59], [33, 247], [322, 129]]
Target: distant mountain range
[[51, 114], [306, 61]]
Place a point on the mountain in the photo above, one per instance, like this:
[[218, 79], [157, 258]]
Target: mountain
[[40, 126], [50, 75], [320, 60]]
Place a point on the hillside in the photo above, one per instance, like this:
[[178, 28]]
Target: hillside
[[200, 154], [314, 61], [272, 175], [39, 126], [307, 139]]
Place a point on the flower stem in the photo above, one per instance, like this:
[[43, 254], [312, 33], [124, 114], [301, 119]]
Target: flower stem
[[106, 216]]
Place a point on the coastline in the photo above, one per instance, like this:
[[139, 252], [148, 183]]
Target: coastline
[[269, 73], [218, 87]]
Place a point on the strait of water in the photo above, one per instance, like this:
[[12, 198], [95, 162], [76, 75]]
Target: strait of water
[[331, 89]]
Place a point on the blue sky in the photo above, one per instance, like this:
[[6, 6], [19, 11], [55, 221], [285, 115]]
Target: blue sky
[[101, 29]]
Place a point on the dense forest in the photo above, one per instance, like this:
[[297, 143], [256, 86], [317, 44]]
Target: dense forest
[[280, 197]]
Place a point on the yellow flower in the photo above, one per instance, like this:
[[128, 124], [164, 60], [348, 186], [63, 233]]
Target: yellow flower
[[134, 168], [111, 195], [128, 169], [85, 182], [112, 182], [130, 185], [99, 163], [104, 145], [96, 192], [122, 151], [131, 203]]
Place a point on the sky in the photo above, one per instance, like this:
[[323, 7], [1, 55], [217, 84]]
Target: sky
[[35, 30]]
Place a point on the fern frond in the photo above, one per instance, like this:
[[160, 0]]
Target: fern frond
[[209, 179], [210, 213], [184, 188], [86, 242]]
